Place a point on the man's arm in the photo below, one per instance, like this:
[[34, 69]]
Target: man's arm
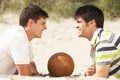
[[98, 71], [24, 69], [102, 71]]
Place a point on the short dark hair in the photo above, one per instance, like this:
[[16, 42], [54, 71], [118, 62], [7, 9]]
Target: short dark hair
[[31, 12], [89, 12]]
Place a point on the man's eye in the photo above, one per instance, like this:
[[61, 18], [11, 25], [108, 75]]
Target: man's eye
[[78, 21]]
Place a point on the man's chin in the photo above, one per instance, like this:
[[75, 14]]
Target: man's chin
[[38, 36], [79, 36]]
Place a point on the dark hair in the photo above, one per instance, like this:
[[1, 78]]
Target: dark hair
[[89, 12], [31, 12]]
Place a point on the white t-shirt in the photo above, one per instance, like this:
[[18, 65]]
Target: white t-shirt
[[14, 49]]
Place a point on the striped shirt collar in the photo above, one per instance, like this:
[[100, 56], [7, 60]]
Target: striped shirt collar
[[95, 36]]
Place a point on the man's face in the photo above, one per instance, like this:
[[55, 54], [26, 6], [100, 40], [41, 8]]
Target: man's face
[[83, 28], [38, 27]]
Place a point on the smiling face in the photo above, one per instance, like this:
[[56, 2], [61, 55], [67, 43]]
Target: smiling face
[[86, 29], [38, 27], [35, 29]]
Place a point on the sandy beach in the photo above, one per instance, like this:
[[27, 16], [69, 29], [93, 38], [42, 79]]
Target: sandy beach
[[60, 36]]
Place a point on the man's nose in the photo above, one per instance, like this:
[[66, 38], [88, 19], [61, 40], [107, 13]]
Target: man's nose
[[45, 27], [77, 27]]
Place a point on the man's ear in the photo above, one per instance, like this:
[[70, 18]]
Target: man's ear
[[92, 23], [30, 22]]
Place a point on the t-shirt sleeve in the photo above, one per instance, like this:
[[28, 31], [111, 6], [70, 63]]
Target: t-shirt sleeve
[[105, 53], [19, 51]]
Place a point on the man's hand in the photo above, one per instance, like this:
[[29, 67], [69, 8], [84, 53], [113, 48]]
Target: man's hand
[[33, 68], [27, 69], [90, 71]]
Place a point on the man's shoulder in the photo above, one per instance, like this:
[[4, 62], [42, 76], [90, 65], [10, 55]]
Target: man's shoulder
[[109, 37], [12, 33], [106, 35]]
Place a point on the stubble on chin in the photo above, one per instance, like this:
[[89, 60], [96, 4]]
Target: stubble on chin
[[38, 36], [79, 35]]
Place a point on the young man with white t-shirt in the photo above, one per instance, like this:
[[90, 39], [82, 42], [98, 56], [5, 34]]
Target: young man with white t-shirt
[[14, 43]]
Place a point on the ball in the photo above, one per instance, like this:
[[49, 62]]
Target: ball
[[60, 64]]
